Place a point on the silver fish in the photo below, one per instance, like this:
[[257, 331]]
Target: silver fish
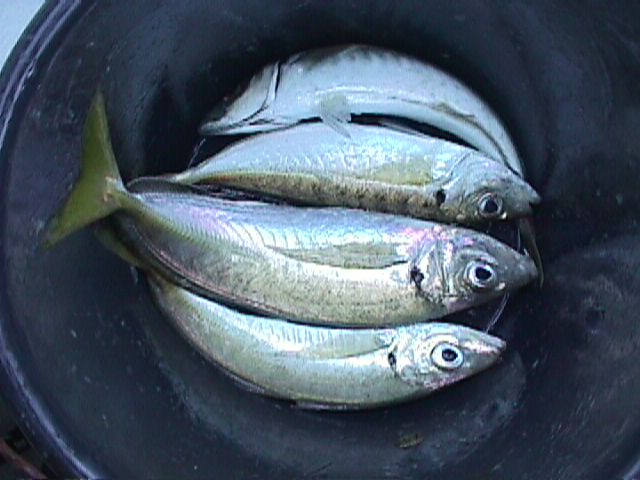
[[324, 266], [328, 367], [334, 83], [371, 167]]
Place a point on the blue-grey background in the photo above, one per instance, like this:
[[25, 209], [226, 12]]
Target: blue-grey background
[[15, 15]]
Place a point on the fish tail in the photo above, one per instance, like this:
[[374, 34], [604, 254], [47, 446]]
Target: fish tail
[[99, 190]]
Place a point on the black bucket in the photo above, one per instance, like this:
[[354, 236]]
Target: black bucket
[[106, 388]]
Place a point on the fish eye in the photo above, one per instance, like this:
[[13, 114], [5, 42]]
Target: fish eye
[[447, 356], [480, 275], [490, 206], [416, 276]]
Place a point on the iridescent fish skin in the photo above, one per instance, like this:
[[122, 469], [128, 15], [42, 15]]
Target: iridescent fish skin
[[372, 167], [328, 367], [322, 266], [335, 83]]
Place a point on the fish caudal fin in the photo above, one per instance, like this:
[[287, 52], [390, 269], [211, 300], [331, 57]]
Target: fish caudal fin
[[99, 190]]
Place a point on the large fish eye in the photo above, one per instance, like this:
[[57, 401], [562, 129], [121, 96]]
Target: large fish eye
[[490, 206], [447, 356], [480, 275]]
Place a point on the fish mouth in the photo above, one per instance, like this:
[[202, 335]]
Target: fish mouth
[[484, 349], [531, 197], [534, 197], [493, 345], [218, 112], [527, 198], [250, 122], [486, 345], [213, 124], [528, 267], [521, 199], [514, 270]]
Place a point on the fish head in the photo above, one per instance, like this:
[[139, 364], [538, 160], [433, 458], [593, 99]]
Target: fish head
[[465, 268], [480, 189], [242, 111], [433, 355]]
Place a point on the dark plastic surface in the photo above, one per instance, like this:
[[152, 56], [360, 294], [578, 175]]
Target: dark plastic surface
[[106, 388]]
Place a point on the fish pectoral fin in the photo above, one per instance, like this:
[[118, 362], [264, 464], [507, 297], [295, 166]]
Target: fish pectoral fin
[[335, 112], [348, 255]]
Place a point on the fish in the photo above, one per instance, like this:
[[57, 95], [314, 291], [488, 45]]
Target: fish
[[332, 266], [327, 368], [373, 168], [334, 83]]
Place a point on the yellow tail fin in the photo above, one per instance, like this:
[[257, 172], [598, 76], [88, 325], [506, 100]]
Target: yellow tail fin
[[99, 188]]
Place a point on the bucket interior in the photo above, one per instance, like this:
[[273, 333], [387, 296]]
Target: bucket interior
[[111, 377]]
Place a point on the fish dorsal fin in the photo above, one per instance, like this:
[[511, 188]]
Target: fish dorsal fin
[[399, 126], [224, 196], [160, 185]]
